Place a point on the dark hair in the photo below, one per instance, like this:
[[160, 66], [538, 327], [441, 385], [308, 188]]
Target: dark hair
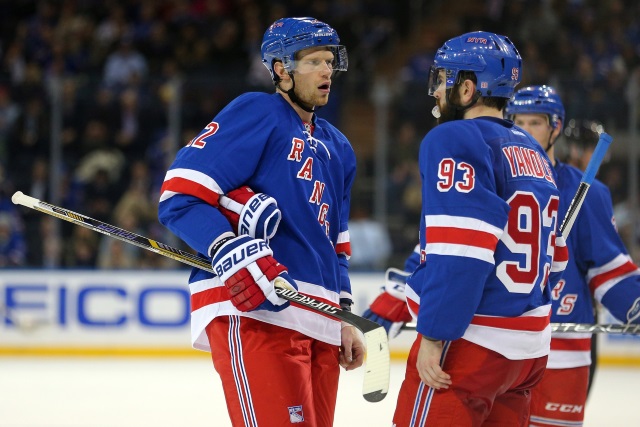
[[495, 102], [489, 101]]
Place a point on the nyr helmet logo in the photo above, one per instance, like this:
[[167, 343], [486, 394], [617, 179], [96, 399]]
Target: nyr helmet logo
[[477, 40], [515, 73]]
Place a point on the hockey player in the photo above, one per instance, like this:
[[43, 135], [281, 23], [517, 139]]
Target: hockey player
[[279, 363], [488, 245], [599, 266]]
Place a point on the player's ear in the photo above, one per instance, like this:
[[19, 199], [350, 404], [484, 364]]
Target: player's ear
[[280, 71], [467, 91], [558, 130]]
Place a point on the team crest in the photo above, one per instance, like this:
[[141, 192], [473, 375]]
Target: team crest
[[295, 414]]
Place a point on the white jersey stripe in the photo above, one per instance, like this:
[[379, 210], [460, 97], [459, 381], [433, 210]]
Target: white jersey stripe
[[344, 237], [619, 260], [463, 222], [452, 249], [603, 288], [190, 175]]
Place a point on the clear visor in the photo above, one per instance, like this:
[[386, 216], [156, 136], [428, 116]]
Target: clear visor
[[439, 77], [332, 59]]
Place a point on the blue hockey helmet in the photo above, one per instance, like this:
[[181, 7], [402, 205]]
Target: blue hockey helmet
[[287, 36], [493, 58], [537, 100]]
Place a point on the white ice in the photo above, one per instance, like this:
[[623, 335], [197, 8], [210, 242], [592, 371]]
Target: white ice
[[175, 392]]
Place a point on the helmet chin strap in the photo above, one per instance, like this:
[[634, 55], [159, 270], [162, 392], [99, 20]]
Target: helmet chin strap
[[549, 144], [294, 98]]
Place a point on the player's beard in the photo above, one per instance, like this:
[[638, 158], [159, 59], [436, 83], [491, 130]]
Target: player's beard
[[449, 110], [310, 97]]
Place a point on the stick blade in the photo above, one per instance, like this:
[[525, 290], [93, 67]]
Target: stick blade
[[377, 365]]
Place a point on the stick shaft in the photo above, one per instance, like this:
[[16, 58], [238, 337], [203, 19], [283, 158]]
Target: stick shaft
[[587, 179], [610, 328]]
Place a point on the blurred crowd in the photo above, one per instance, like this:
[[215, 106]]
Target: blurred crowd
[[122, 76], [112, 72]]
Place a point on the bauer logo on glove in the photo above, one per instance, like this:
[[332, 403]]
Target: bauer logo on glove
[[248, 270], [251, 214]]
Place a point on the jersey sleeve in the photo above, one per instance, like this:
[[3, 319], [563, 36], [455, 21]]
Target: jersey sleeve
[[613, 278], [463, 218], [220, 158]]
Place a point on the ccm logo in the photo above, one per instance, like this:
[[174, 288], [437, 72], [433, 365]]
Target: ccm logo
[[564, 407], [239, 255]]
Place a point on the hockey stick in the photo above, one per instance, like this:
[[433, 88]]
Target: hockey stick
[[587, 179], [376, 375], [609, 328]]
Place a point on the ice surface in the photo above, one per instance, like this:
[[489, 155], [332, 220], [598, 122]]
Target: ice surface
[[174, 392]]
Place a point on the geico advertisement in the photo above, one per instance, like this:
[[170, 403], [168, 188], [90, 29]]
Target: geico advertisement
[[62, 308], [65, 311], [41, 310]]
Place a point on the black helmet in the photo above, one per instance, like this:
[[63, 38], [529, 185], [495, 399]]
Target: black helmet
[[583, 133]]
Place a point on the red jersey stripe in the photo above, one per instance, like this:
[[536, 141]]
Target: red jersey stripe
[[344, 248], [462, 236], [524, 323], [627, 267], [565, 344], [561, 254], [191, 188], [207, 297]]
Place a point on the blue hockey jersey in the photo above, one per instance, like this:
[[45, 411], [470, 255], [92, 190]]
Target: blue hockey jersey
[[488, 238], [599, 267], [258, 140]]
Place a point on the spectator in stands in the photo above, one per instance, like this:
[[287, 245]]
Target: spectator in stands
[[81, 251], [12, 245], [370, 240], [9, 113], [124, 66], [33, 128]]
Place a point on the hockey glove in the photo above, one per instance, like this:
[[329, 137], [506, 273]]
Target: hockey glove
[[390, 309], [253, 214], [248, 270]]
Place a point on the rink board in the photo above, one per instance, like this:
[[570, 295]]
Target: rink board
[[145, 313]]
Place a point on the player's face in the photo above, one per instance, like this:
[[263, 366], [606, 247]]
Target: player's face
[[313, 70], [537, 125], [447, 112]]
